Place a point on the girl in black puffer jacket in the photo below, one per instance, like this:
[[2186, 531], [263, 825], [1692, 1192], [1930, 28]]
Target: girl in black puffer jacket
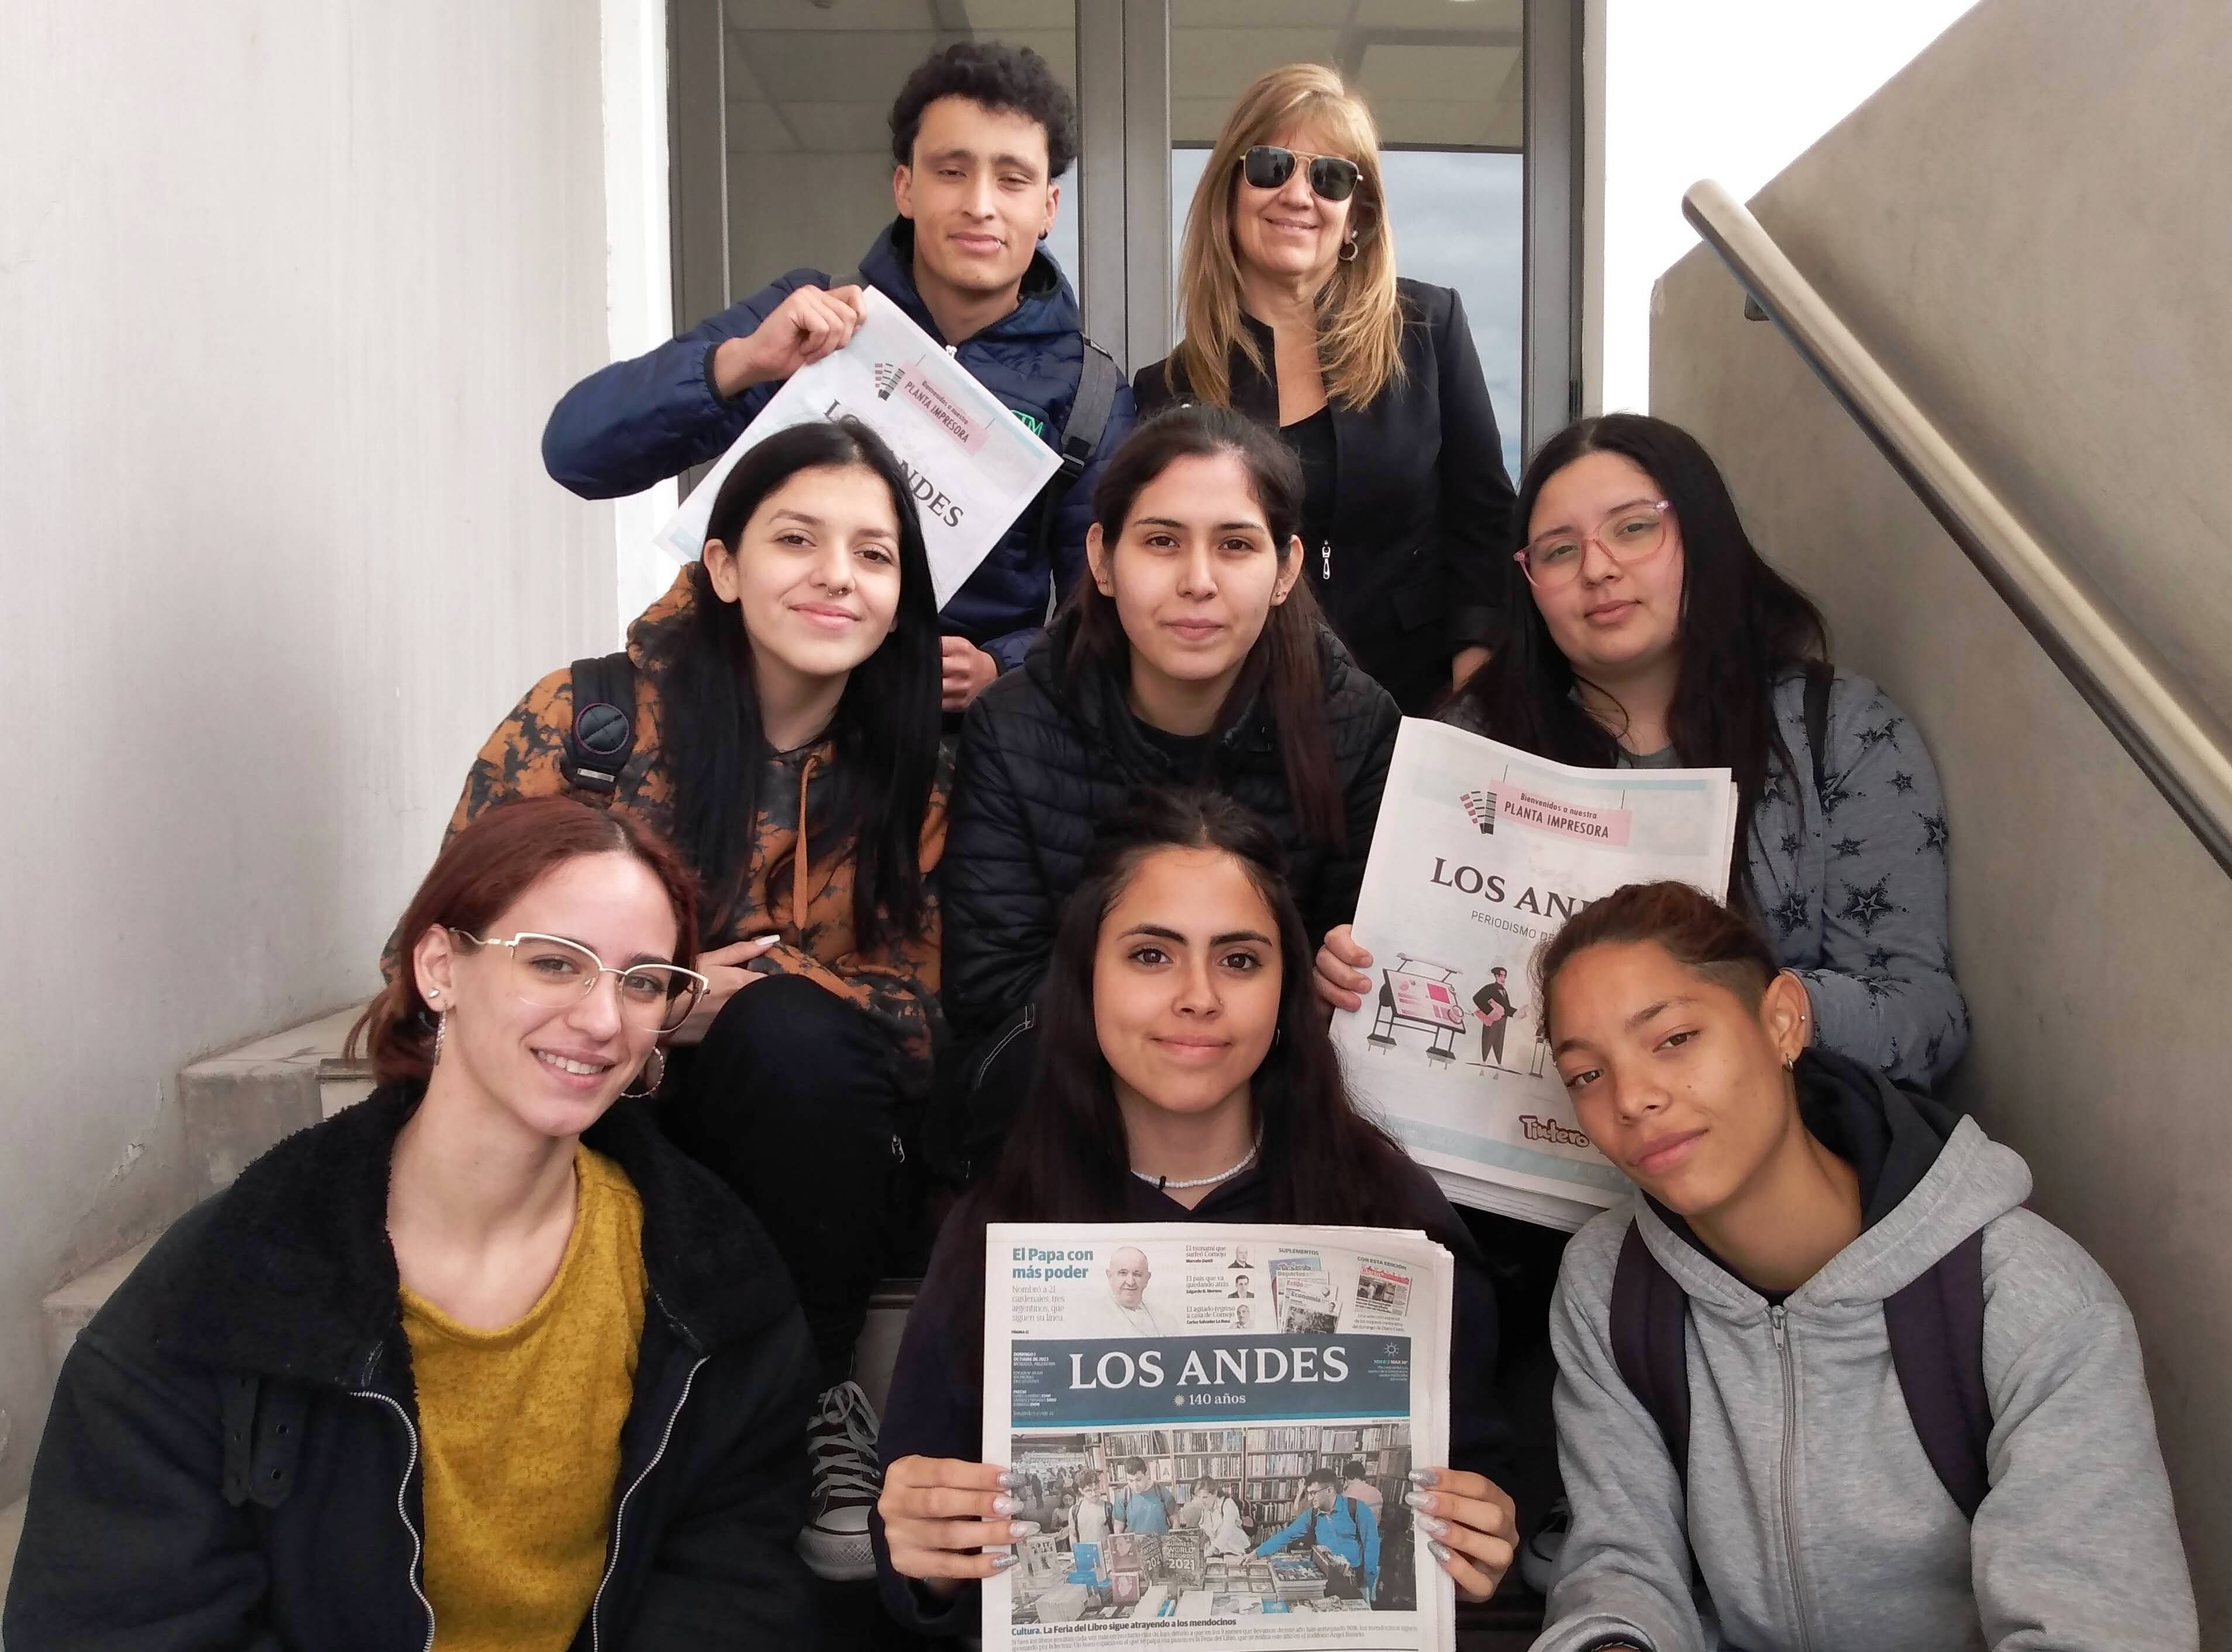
[[1194, 653]]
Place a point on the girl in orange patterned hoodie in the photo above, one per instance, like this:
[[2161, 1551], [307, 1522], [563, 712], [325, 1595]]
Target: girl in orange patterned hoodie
[[787, 740]]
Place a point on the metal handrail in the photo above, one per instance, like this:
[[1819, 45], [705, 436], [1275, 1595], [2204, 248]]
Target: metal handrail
[[2180, 745]]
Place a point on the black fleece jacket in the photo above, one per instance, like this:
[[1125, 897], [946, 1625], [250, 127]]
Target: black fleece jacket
[[231, 1464], [1422, 505], [936, 1408], [1043, 760]]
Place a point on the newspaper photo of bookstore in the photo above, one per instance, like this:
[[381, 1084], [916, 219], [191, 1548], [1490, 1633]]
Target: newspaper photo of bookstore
[[1197, 1524], [1480, 854], [1187, 1470]]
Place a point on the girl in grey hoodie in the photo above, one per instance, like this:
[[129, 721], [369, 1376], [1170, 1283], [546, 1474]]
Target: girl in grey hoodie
[[1794, 1197]]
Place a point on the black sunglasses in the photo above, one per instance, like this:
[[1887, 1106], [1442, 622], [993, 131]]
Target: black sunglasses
[[1332, 178]]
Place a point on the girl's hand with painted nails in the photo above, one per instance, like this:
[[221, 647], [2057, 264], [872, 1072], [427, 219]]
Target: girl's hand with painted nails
[[1470, 1526], [947, 1521]]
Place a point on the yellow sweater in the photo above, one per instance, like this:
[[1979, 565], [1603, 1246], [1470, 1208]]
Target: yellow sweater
[[521, 1429]]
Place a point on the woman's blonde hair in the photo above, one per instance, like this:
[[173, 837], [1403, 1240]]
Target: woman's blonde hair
[[1359, 319]]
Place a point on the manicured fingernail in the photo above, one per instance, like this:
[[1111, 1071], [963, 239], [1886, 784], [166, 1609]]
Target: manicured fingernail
[[765, 940], [1419, 1499], [1007, 1478], [1439, 1551], [1002, 1562], [1022, 1529], [1005, 1506], [1423, 1477], [1432, 1527]]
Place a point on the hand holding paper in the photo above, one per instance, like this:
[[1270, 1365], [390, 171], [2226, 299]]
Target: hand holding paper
[[806, 327]]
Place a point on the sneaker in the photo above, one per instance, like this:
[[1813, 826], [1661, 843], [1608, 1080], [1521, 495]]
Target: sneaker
[[1538, 1560], [841, 1440]]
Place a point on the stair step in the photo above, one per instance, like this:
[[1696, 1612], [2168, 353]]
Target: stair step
[[70, 1309], [240, 1103]]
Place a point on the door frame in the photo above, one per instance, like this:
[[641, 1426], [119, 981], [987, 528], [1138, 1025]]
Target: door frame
[[1122, 187]]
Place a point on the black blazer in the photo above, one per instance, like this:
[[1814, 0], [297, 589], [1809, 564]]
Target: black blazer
[[1421, 508]]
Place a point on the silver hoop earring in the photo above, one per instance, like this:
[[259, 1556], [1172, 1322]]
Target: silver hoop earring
[[657, 1067], [1347, 254], [441, 1028]]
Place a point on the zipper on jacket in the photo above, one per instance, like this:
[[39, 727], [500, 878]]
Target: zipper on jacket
[[1031, 1016], [1778, 1323], [403, 1505], [1324, 561], [619, 1512]]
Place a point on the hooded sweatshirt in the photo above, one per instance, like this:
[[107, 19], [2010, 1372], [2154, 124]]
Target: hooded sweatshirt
[[1815, 1518], [784, 891], [636, 423]]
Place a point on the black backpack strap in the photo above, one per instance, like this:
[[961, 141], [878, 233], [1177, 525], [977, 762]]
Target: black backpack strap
[[1098, 379], [602, 739], [1937, 1329], [1649, 1326], [1818, 677]]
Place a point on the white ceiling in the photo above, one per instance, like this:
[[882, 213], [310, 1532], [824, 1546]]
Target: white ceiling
[[804, 76]]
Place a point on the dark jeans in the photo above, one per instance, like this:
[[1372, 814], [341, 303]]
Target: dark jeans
[[792, 1099]]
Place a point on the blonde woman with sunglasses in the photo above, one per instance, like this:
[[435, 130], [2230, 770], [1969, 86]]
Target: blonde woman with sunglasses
[[479, 1361], [1292, 313]]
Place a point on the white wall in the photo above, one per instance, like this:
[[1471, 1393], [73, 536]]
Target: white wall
[[1731, 89], [287, 288], [639, 279]]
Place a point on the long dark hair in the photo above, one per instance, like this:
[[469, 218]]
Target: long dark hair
[[479, 873], [886, 726], [1065, 1160], [1742, 626], [1284, 670]]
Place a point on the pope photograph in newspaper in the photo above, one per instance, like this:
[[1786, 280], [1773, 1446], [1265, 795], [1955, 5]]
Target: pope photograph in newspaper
[[1480, 854]]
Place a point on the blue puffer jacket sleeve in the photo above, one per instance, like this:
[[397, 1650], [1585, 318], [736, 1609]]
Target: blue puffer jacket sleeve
[[1854, 887], [634, 424], [1075, 517]]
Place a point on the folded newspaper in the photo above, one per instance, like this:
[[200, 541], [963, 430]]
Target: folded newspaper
[[973, 466], [1479, 854], [1174, 1400]]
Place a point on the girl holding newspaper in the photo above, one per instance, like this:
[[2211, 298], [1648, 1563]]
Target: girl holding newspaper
[[1183, 1076], [1646, 632]]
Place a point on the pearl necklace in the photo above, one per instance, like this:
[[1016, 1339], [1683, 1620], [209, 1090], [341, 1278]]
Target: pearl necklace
[[1163, 1182]]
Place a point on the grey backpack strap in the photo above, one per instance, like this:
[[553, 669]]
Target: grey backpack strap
[[1936, 1331]]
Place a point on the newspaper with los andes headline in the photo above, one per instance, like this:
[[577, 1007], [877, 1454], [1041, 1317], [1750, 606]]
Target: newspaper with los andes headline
[[973, 466], [1163, 1393], [1481, 854]]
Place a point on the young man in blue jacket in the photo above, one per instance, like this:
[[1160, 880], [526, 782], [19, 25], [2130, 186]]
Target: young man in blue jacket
[[981, 134], [1346, 1525]]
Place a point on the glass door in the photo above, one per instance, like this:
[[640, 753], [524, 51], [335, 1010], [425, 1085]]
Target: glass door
[[782, 155]]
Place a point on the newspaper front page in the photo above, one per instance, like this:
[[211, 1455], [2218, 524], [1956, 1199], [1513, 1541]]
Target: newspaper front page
[[973, 465], [1163, 1393], [1480, 853]]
